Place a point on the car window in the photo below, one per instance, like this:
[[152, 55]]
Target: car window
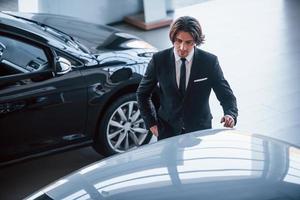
[[19, 57]]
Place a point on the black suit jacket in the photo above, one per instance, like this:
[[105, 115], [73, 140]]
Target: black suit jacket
[[192, 111]]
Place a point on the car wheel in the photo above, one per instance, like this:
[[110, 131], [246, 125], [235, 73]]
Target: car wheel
[[121, 128]]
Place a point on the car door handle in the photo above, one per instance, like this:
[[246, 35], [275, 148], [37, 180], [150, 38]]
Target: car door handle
[[39, 102]]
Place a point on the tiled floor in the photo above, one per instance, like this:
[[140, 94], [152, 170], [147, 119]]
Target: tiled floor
[[257, 43]]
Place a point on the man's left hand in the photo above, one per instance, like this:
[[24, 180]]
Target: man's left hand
[[228, 121]]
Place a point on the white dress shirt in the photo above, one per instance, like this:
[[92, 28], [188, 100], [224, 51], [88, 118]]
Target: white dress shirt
[[188, 65]]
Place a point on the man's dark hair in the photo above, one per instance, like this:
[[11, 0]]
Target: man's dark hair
[[187, 24]]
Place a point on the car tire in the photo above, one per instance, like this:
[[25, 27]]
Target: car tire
[[121, 127]]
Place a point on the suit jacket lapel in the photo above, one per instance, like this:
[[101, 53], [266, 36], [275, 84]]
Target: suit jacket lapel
[[172, 73], [194, 71]]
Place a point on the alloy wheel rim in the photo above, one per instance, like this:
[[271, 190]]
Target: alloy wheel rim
[[126, 129]]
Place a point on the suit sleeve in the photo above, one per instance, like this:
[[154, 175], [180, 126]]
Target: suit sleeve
[[223, 92], [144, 93]]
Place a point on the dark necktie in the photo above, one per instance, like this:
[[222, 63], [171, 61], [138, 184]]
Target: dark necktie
[[182, 79]]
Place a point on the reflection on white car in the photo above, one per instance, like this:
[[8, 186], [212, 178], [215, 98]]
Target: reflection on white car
[[212, 164]]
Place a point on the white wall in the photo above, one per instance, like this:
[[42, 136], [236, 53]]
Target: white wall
[[97, 11]]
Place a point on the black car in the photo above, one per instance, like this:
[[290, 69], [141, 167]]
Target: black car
[[66, 83]]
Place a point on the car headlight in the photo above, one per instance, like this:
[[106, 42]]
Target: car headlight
[[138, 44]]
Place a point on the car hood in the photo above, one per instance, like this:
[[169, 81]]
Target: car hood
[[215, 164], [97, 38]]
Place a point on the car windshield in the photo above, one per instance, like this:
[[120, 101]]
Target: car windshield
[[60, 35], [70, 41]]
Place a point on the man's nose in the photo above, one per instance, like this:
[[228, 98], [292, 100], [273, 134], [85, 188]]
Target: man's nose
[[182, 46]]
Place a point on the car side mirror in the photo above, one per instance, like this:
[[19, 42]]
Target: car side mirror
[[63, 65], [122, 74]]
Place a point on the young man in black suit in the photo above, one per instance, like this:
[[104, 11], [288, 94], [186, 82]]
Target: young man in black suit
[[185, 76]]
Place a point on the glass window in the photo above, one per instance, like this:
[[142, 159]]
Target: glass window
[[19, 57]]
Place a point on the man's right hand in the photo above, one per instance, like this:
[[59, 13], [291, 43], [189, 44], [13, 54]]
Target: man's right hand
[[154, 130]]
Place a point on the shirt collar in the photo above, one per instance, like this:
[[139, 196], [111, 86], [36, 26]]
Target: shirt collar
[[189, 58]]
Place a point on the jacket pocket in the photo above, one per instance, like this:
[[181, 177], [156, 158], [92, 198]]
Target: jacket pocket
[[200, 80]]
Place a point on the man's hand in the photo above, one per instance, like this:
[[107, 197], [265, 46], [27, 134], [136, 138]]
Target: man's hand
[[154, 130], [228, 121]]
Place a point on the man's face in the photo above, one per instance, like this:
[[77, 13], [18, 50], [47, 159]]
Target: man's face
[[183, 44]]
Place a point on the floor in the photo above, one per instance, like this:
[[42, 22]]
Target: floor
[[257, 43]]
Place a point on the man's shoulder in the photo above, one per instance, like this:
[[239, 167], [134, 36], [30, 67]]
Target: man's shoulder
[[163, 53], [198, 52], [205, 54]]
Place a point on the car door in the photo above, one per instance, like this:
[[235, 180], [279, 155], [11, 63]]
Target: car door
[[40, 109]]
